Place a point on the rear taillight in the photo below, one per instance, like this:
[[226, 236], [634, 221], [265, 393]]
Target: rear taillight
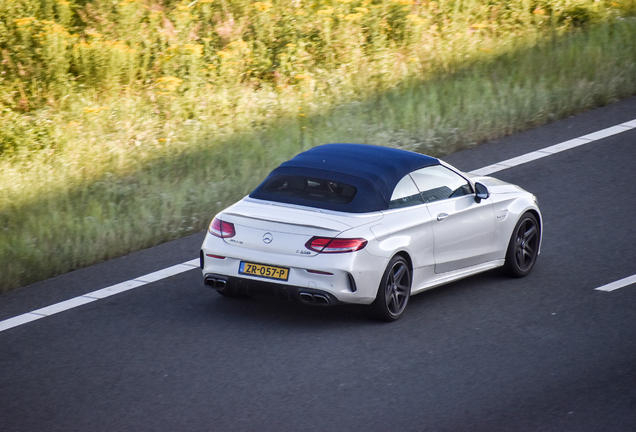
[[335, 245], [221, 229]]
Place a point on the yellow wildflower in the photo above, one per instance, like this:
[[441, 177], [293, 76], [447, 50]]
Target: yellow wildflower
[[95, 109], [353, 17], [415, 18], [168, 83], [238, 44], [24, 21], [262, 6], [195, 49]]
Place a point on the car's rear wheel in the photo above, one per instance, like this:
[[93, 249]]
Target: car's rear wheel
[[523, 247], [394, 291]]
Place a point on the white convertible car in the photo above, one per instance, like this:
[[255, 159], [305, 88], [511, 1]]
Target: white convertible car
[[354, 223]]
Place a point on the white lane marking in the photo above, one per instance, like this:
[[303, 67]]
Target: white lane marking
[[192, 264], [18, 321], [98, 295], [557, 148], [607, 132], [164, 273], [618, 284], [114, 289], [62, 306]]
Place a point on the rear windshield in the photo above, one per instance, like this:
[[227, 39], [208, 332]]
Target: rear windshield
[[310, 188]]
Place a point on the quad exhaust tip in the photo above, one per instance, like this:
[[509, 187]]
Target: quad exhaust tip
[[219, 284], [316, 299]]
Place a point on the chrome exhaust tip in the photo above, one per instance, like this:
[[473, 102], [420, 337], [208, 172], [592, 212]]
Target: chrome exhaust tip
[[321, 299], [315, 299], [306, 297]]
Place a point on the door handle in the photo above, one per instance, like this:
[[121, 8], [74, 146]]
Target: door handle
[[442, 217]]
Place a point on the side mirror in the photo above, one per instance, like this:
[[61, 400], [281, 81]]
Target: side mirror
[[481, 192]]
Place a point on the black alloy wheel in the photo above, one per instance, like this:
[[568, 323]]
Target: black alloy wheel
[[523, 247], [394, 291]]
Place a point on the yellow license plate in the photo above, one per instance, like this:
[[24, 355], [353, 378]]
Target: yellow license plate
[[265, 271]]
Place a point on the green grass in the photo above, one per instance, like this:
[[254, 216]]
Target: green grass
[[139, 150]]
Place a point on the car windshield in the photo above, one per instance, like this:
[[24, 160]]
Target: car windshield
[[314, 189]]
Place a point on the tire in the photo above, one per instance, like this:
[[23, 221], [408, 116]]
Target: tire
[[394, 291], [523, 247]]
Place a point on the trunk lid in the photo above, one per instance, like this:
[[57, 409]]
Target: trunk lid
[[284, 229]]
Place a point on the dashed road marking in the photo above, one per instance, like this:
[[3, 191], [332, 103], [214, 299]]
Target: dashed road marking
[[98, 295], [618, 284], [557, 148]]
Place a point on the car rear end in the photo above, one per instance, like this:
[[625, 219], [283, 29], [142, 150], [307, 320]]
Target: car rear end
[[256, 247]]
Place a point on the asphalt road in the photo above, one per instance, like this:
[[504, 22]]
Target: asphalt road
[[543, 353]]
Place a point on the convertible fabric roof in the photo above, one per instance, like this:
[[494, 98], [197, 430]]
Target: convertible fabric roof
[[373, 170]]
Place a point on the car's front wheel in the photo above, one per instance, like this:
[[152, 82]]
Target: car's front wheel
[[523, 247], [394, 291]]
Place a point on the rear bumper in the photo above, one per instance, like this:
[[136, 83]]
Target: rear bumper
[[254, 288]]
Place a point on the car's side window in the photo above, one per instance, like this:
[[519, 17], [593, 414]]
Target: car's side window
[[438, 182], [405, 194]]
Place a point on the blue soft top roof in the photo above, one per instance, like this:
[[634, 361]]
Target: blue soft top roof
[[373, 170]]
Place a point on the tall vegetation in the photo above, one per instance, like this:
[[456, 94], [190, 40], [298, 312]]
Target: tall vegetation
[[126, 123], [239, 63]]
